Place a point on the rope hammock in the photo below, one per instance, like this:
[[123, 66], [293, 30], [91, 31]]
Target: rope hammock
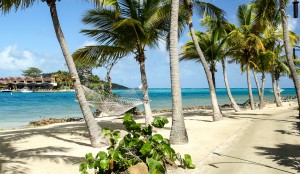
[[111, 105]]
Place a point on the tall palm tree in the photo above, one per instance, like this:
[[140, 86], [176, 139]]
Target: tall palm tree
[[245, 44], [215, 12], [127, 28], [213, 45], [178, 134], [265, 11], [287, 48], [96, 137]]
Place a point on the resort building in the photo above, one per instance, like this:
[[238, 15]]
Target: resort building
[[20, 82]]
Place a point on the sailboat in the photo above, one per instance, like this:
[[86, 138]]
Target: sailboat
[[278, 89], [141, 87]]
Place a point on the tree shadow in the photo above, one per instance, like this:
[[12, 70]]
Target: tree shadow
[[14, 159], [283, 154], [244, 161], [294, 130]]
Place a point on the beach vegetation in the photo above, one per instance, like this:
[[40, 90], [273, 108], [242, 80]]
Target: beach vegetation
[[32, 72], [138, 145]]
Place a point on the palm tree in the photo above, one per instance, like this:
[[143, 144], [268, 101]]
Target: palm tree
[[212, 42], [96, 137], [178, 134], [127, 28], [266, 13], [214, 12], [287, 48], [245, 44]]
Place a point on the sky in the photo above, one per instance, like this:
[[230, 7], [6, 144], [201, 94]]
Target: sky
[[27, 39]]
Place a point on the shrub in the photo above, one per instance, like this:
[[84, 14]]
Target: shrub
[[139, 145]]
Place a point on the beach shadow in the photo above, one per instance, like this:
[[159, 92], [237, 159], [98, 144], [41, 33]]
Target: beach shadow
[[252, 116], [12, 159], [294, 130], [283, 154], [244, 161]]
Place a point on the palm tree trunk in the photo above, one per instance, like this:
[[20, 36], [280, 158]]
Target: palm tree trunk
[[287, 48], [95, 132], [277, 101], [213, 78], [216, 110], [232, 101], [146, 100], [278, 88], [108, 78], [263, 81], [261, 100], [249, 88], [178, 134]]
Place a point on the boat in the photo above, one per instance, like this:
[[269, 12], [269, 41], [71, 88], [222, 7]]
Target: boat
[[6, 90], [25, 90], [141, 87], [278, 89]]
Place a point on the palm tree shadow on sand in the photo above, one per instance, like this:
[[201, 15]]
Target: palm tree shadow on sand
[[16, 160], [287, 155]]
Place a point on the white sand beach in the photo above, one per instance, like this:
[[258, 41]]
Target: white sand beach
[[59, 148]]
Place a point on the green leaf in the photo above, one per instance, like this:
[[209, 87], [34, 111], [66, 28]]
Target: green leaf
[[160, 122], [169, 152], [127, 117], [116, 134], [104, 164], [115, 155], [89, 157], [146, 148], [157, 138], [102, 155], [83, 167], [106, 131], [147, 130], [155, 167], [156, 155], [187, 161]]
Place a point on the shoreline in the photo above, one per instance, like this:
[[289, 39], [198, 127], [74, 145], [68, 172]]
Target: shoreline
[[48, 121]]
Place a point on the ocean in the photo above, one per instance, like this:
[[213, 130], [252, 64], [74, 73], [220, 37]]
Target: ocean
[[18, 109]]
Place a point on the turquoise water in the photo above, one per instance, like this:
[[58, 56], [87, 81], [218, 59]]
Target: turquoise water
[[20, 108]]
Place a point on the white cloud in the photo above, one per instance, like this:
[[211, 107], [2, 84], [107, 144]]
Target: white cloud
[[13, 60], [292, 23], [88, 43]]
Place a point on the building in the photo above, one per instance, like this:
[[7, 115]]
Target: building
[[20, 82]]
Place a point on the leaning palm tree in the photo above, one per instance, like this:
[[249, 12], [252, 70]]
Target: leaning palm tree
[[214, 51], [178, 134], [94, 129], [245, 44], [214, 12], [125, 29]]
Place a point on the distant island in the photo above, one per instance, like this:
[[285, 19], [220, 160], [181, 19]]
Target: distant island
[[117, 86]]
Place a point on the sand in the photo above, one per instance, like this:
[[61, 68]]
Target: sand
[[59, 148]]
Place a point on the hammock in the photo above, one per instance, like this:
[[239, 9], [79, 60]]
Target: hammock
[[111, 105]]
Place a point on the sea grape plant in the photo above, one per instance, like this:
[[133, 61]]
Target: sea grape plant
[[138, 145]]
